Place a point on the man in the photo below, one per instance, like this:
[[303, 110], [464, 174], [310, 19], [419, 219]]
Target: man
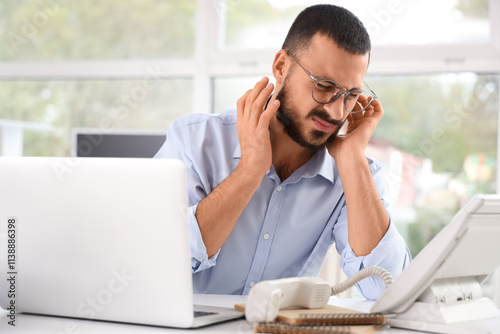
[[272, 185]]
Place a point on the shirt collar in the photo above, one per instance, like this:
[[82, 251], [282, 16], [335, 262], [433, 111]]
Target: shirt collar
[[321, 163], [237, 151], [326, 165]]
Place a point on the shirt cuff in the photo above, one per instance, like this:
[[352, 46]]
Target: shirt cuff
[[391, 253], [199, 256]]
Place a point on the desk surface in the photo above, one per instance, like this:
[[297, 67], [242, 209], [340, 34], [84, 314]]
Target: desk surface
[[27, 323]]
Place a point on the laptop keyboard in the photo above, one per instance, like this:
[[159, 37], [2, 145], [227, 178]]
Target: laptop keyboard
[[202, 313]]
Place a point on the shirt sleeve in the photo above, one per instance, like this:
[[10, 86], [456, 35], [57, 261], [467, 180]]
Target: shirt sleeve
[[391, 253], [175, 148]]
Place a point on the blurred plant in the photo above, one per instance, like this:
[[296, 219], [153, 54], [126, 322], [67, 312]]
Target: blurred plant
[[473, 8], [430, 220]]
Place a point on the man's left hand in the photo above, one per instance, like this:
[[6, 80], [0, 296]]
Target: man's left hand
[[359, 130]]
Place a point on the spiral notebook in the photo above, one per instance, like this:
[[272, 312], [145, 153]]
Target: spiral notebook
[[329, 319], [283, 328]]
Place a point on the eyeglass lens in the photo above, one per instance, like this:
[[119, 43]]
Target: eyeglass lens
[[328, 91]]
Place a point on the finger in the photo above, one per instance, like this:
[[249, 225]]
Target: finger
[[370, 101], [365, 103], [259, 86], [255, 92], [260, 102], [263, 97], [240, 104], [374, 109], [268, 114], [378, 110], [356, 112], [369, 108], [362, 101], [256, 109]]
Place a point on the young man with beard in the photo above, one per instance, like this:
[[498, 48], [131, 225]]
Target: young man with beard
[[272, 185]]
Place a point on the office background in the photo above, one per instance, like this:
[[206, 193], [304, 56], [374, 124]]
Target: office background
[[134, 66]]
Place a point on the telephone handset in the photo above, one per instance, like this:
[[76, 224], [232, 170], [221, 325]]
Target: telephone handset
[[267, 297]]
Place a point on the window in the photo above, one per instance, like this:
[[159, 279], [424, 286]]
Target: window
[[42, 114], [112, 64], [264, 24], [438, 142], [227, 90], [55, 30]]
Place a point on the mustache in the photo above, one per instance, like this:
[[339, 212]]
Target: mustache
[[320, 113]]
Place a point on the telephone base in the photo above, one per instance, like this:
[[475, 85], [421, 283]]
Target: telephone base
[[467, 317], [484, 326]]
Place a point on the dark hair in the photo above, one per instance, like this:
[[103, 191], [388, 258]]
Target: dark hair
[[337, 23]]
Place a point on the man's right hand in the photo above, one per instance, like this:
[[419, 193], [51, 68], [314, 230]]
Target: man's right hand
[[215, 218], [253, 127]]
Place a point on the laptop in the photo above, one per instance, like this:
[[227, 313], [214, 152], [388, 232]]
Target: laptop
[[99, 238]]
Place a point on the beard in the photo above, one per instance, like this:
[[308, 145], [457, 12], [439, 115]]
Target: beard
[[289, 118]]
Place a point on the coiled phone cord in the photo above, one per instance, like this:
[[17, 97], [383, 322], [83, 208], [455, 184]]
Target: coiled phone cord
[[360, 275]]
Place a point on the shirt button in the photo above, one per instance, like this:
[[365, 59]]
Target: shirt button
[[252, 284], [279, 188], [266, 236]]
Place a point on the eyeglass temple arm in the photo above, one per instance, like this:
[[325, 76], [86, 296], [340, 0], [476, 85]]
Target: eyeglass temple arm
[[313, 78], [375, 97]]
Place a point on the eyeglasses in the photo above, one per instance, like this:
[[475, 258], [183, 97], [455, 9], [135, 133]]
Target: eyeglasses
[[328, 91]]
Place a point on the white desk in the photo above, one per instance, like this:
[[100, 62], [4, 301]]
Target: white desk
[[27, 323]]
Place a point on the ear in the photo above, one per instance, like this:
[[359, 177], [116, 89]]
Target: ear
[[281, 64]]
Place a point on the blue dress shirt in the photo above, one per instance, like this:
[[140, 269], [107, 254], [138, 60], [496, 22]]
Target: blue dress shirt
[[286, 228]]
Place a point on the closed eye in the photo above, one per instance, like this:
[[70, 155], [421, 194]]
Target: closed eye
[[355, 93], [325, 86]]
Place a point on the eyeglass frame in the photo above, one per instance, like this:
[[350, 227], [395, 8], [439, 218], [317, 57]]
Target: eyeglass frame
[[342, 91]]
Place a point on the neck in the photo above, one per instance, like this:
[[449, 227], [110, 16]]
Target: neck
[[288, 156]]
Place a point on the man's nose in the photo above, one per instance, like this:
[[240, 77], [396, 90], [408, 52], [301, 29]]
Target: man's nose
[[336, 108]]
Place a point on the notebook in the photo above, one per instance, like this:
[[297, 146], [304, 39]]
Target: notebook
[[98, 238], [329, 319]]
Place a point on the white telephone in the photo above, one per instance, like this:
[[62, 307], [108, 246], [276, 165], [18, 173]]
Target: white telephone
[[267, 297]]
